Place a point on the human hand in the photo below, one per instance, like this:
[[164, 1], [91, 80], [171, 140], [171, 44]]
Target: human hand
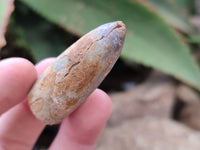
[[19, 129]]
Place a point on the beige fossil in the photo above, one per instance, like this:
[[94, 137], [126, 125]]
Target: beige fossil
[[76, 73]]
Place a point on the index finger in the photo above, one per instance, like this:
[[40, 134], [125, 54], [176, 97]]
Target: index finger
[[17, 76]]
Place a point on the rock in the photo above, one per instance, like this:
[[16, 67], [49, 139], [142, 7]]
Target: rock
[[187, 95], [189, 112], [195, 21], [190, 115], [149, 134], [197, 6], [155, 97]]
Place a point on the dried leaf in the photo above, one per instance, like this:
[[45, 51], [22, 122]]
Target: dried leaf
[[6, 8]]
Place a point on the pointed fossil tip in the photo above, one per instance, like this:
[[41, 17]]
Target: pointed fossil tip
[[121, 25], [105, 29]]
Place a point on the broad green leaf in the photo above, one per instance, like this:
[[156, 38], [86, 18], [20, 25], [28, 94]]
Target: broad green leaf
[[186, 5], [6, 8], [39, 40], [171, 12], [42, 38], [194, 39], [149, 39], [183, 3]]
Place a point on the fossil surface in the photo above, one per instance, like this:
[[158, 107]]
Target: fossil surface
[[76, 73]]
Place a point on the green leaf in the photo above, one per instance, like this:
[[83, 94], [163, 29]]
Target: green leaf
[[172, 12], [149, 39], [42, 38], [186, 5], [6, 8], [194, 39], [182, 3]]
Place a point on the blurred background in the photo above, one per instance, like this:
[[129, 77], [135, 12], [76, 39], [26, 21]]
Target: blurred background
[[154, 86]]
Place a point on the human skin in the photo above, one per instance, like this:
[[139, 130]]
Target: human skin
[[19, 129]]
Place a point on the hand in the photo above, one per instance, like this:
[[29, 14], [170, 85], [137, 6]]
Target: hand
[[19, 129]]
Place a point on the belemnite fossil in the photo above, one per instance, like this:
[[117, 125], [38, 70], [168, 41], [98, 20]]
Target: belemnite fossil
[[76, 73]]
